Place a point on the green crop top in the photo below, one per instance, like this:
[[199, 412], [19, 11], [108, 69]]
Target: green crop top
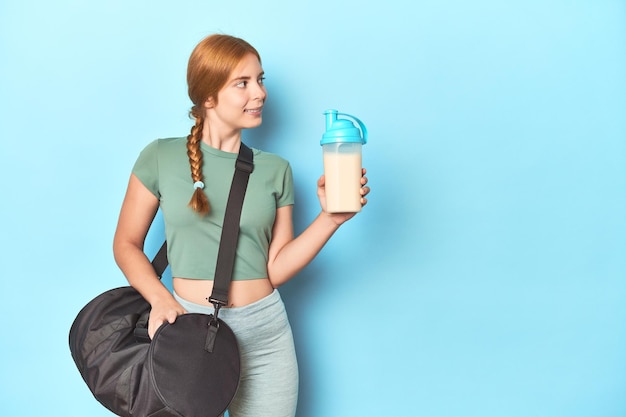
[[193, 240]]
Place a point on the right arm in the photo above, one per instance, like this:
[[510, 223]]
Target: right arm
[[138, 211]]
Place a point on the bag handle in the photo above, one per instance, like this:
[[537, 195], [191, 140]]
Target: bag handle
[[230, 231]]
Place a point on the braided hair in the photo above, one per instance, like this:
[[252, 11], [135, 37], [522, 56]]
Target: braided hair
[[210, 64]]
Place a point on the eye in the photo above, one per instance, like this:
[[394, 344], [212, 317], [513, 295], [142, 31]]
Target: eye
[[242, 84], [261, 80]]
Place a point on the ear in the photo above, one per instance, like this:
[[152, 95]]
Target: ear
[[209, 103]]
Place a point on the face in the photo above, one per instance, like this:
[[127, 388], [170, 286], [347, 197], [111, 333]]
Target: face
[[240, 101]]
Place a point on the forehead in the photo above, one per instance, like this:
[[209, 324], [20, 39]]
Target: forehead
[[249, 66]]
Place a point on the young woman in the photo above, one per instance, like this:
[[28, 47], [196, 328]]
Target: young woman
[[225, 85]]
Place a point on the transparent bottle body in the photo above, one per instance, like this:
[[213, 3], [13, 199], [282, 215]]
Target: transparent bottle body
[[342, 170]]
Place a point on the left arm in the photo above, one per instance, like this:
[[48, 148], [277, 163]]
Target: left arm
[[288, 255]]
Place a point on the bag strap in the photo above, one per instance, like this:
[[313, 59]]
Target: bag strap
[[159, 262], [230, 231]]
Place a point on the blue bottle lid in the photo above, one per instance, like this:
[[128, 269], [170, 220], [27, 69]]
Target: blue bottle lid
[[343, 130]]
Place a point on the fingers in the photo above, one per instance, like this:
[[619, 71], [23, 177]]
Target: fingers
[[365, 190], [160, 315], [153, 326], [363, 177], [171, 317]]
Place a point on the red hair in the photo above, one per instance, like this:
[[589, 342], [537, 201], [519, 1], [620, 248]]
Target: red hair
[[210, 65]]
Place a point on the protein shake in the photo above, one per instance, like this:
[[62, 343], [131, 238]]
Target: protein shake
[[342, 149]]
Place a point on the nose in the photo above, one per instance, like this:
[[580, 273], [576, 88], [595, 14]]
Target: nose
[[260, 93]]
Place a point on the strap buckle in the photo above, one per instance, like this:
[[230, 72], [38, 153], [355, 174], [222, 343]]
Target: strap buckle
[[217, 304], [244, 166]]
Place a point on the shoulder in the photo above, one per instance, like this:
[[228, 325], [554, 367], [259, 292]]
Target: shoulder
[[169, 144], [164, 145], [163, 148], [269, 159], [172, 142]]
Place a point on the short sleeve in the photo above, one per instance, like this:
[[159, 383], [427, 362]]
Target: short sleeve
[[146, 168], [287, 196]]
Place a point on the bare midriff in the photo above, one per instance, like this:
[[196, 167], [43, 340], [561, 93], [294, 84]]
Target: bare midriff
[[241, 293]]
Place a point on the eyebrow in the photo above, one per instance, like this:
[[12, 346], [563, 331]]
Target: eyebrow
[[246, 77]]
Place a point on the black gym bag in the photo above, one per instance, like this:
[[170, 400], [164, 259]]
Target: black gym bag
[[191, 367]]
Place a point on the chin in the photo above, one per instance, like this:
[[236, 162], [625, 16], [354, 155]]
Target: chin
[[254, 124]]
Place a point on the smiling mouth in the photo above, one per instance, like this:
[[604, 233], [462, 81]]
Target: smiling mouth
[[254, 111]]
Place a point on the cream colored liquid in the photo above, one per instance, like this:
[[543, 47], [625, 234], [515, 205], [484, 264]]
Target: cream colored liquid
[[343, 182]]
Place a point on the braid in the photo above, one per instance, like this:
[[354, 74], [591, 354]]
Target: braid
[[199, 201], [209, 68]]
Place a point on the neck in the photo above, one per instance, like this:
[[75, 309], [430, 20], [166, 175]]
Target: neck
[[227, 141]]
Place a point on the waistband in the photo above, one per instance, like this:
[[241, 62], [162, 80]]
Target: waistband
[[269, 302]]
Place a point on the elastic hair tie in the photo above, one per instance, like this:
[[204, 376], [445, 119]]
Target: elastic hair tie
[[198, 184]]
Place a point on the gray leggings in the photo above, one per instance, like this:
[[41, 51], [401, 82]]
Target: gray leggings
[[269, 369]]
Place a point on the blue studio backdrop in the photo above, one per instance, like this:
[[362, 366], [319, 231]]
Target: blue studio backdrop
[[485, 278]]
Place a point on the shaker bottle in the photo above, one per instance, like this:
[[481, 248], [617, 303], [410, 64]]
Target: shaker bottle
[[341, 147]]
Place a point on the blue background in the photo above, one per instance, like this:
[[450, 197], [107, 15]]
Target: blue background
[[487, 276]]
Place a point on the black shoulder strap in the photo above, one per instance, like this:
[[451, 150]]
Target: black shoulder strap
[[230, 230], [159, 262]]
